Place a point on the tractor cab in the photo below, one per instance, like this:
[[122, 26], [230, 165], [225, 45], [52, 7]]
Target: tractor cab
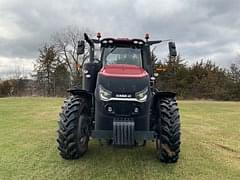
[[125, 51]]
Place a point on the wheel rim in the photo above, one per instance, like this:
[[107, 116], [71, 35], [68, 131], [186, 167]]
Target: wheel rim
[[83, 134], [158, 144]]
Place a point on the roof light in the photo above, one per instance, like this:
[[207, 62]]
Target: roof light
[[135, 42], [138, 42], [98, 35], [146, 36]]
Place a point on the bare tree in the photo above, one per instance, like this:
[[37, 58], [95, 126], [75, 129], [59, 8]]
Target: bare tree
[[18, 72], [66, 46]]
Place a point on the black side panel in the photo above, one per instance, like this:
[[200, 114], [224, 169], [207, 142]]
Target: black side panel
[[147, 60], [90, 71]]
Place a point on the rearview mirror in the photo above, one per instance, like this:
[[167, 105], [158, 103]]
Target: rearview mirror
[[172, 49], [80, 47]]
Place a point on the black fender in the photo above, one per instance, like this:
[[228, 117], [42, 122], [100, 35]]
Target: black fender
[[161, 94], [82, 93]]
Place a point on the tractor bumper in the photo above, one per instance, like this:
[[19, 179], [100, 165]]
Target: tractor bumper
[[122, 138], [124, 130]]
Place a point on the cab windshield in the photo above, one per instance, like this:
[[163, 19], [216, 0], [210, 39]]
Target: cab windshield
[[122, 55]]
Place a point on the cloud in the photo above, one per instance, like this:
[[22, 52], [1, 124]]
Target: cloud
[[10, 66], [201, 28]]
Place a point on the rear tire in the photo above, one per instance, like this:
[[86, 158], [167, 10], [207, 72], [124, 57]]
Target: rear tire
[[74, 131], [168, 130]]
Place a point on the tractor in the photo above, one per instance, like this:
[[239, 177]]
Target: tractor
[[118, 102]]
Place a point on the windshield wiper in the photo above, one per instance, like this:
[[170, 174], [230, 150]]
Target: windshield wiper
[[113, 49]]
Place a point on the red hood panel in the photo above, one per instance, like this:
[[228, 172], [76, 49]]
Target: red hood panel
[[123, 70]]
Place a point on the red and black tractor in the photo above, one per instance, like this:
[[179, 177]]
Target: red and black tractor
[[118, 102]]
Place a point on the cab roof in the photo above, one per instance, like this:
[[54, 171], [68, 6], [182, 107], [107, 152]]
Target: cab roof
[[122, 41]]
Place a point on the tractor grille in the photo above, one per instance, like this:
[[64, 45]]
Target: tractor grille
[[123, 131], [123, 108]]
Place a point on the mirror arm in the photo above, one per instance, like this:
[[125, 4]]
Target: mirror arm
[[153, 42], [91, 44], [89, 41]]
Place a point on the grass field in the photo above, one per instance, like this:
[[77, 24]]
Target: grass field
[[210, 145]]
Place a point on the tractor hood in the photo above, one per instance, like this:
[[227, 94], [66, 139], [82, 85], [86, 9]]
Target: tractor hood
[[122, 78], [123, 71]]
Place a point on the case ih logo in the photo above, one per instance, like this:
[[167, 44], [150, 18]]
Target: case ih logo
[[123, 95]]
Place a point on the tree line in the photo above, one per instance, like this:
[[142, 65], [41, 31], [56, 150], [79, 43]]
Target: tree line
[[58, 68], [201, 80]]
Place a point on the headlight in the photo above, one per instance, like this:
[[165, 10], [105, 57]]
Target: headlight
[[142, 95], [104, 93]]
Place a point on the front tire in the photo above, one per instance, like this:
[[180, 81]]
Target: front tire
[[73, 132], [168, 130]]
